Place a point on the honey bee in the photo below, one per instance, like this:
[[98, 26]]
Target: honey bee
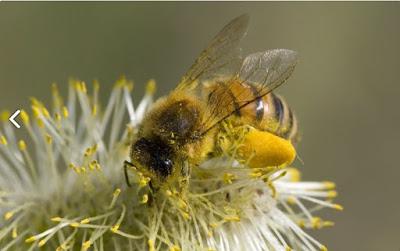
[[181, 130]]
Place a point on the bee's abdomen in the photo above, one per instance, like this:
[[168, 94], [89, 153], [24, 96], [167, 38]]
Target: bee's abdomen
[[268, 113]]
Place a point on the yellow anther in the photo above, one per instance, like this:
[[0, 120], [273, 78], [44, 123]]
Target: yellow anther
[[228, 178], [301, 223], [233, 218], [150, 243], [323, 248], [83, 169], [185, 215], [86, 245], [45, 112], [175, 248], [117, 192], [94, 148], [75, 224], [49, 139], [332, 194], [14, 233], [182, 204], [144, 181], [40, 122], [41, 243], [291, 200], [56, 219], [36, 111], [114, 228], [168, 192], [3, 140], [129, 86], [30, 239], [294, 174], [96, 85], [77, 169], [316, 222], [83, 87], [4, 115], [88, 152], [288, 249], [145, 199], [22, 145], [65, 112], [214, 225], [85, 221], [338, 207], [57, 116], [94, 110], [24, 117], [8, 215], [328, 224], [255, 174], [151, 87], [329, 185]]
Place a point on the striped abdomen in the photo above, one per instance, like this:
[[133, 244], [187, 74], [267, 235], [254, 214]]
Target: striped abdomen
[[268, 113]]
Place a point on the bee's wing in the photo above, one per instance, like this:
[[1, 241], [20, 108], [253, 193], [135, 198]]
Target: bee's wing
[[222, 56], [266, 70]]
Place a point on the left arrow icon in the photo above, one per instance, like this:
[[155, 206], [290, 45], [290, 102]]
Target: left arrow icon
[[12, 118]]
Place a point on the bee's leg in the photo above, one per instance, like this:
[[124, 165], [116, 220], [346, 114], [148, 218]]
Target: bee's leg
[[127, 165]]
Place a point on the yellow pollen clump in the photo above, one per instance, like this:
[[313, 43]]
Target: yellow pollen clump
[[266, 149], [75, 224]]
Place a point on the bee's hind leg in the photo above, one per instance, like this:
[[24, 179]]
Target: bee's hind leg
[[127, 165]]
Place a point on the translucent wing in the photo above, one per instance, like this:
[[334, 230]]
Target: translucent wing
[[261, 72], [222, 56]]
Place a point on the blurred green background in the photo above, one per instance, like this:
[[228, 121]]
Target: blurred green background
[[345, 89]]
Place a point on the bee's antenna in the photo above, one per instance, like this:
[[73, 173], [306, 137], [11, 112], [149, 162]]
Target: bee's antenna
[[127, 164], [300, 159]]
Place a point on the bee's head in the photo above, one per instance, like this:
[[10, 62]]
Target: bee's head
[[154, 155]]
